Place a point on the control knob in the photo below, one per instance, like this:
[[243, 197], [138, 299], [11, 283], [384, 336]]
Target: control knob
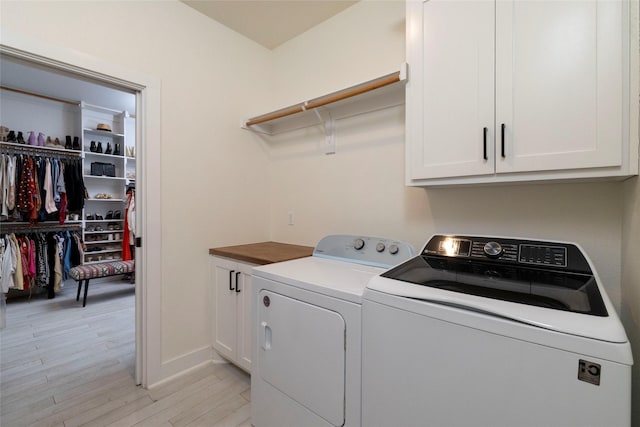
[[358, 244], [394, 249], [380, 247], [493, 249]]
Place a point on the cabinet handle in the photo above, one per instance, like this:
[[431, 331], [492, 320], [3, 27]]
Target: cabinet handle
[[502, 139], [237, 284], [484, 142], [231, 280]]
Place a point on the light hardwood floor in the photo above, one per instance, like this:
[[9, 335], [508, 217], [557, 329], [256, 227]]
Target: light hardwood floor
[[64, 365]]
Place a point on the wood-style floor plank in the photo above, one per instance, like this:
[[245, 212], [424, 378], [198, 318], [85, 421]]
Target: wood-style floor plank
[[65, 365]]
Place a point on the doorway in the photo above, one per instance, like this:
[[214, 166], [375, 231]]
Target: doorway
[[146, 94]]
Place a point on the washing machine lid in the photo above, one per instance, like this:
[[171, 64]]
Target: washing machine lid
[[546, 284]]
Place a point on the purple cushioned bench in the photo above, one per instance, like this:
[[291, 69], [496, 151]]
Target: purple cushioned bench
[[84, 273]]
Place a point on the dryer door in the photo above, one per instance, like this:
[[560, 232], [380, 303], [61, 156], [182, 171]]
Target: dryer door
[[302, 353]]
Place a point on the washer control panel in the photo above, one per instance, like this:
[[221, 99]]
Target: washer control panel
[[367, 250], [509, 250]]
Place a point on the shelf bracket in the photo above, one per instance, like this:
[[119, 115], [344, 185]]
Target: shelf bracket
[[329, 124]]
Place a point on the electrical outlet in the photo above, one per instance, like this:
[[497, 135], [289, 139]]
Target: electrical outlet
[[291, 219]]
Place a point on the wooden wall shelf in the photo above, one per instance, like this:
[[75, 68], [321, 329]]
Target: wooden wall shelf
[[382, 92]]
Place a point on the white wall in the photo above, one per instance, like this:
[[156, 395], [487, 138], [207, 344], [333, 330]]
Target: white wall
[[631, 281], [214, 188], [361, 190]]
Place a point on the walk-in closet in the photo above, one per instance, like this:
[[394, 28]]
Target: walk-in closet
[[67, 200]]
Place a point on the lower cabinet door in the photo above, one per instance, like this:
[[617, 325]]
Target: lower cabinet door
[[225, 322], [245, 318]]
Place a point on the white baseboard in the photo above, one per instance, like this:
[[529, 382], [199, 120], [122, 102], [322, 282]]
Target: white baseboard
[[182, 365]]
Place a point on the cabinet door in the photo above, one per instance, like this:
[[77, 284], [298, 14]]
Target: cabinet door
[[450, 92], [559, 88], [245, 322], [225, 311]]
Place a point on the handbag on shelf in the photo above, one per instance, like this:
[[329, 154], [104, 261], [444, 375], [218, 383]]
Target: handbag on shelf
[[103, 169]]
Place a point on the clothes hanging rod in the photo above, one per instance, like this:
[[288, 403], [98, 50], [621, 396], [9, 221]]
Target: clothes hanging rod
[[37, 95], [10, 147], [13, 227], [327, 99]]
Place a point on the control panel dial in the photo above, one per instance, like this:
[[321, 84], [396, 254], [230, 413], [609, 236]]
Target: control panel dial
[[358, 244], [493, 249], [394, 249], [380, 247]]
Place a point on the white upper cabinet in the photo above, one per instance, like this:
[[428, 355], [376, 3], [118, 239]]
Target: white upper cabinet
[[503, 91]]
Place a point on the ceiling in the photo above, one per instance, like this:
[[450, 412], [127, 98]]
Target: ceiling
[[28, 76], [270, 23]]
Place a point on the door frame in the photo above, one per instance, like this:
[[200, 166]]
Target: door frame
[[148, 216]]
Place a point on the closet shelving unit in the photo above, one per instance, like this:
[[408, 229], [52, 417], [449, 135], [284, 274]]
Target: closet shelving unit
[[104, 236], [379, 93]]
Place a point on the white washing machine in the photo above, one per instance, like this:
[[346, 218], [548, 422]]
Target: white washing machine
[[307, 332], [483, 331]]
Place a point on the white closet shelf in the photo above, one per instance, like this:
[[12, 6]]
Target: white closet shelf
[[111, 156], [102, 133], [119, 178], [376, 94]]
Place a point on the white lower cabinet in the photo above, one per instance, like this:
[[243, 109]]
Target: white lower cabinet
[[231, 294]]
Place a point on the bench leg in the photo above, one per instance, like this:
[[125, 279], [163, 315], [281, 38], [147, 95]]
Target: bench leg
[[79, 288], [86, 289]]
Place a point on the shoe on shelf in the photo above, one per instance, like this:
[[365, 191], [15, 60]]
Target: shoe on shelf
[[67, 144], [11, 136], [117, 214], [4, 131], [99, 217], [90, 217], [92, 148], [20, 138], [116, 151], [76, 143], [57, 142], [109, 215], [99, 148], [31, 139], [108, 150], [41, 139], [49, 142]]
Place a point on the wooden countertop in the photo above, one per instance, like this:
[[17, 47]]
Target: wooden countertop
[[263, 253]]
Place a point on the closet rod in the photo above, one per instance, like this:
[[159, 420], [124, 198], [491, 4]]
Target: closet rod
[[37, 95], [331, 98], [13, 227], [9, 147], [357, 90]]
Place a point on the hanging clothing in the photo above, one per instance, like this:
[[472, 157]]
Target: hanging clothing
[[18, 277], [74, 185], [8, 264], [35, 259], [50, 204], [129, 237]]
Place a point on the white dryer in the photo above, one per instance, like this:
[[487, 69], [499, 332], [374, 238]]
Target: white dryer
[[486, 331], [307, 332]]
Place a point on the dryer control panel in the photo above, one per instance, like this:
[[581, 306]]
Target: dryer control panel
[[367, 250]]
